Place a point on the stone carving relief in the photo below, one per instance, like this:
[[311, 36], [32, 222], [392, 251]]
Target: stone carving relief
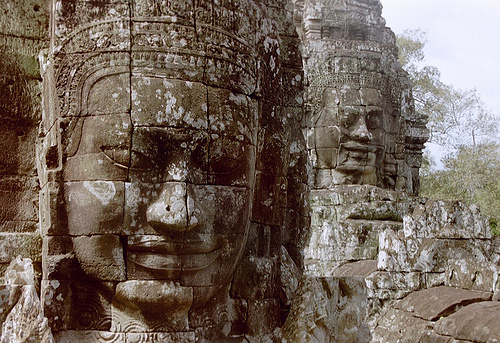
[[177, 147], [21, 312], [164, 171], [363, 128]]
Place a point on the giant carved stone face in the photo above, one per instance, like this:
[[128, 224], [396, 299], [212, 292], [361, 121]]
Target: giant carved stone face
[[162, 177], [353, 138], [148, 169]]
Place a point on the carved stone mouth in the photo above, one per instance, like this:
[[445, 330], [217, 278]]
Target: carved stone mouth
[[175, 246], [159, 253], [355, 146], [167, 262]]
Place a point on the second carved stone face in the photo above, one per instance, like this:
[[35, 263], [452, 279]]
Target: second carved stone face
[[166, 167], [351, 137]]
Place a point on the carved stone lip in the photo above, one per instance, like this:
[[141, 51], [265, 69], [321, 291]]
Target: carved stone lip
[[182, 252], [173, 263], [179, 246], [356, 146]]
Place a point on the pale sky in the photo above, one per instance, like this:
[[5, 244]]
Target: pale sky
[[463, 40]]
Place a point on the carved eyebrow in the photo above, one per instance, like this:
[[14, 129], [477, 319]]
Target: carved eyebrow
[[172, 134], [131, 153], [169, 134], [106, 149]]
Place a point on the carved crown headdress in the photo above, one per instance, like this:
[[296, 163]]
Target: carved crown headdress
[[203, 42]]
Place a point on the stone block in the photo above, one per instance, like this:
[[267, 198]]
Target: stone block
[[399, 326], [61, 266], [434, 303], [434, 279], [474, 275], [231, 162], [57, 245], [376, 210], [89, 336], [213, 269], [292, 77], [266, 199], [35, 14], [255, 278], [476, 323], [447, 219], [93, 207], [328, 309], [432, 337], [174, 103], [14, 226], [281, 13], [232, 114], [360, 268], [100, 257], [19, 135], [28, 245], [177, 337], [107, 130], [351, 326], [323, 197], [71, 17], [219, 317], [18, 199], [169, 154], [108, 101], [93, 167], [391, 281], [263, 316], [354, 194], [52, 221], [345, 240], [371, 97], [323, 178], [401, 251], [75, 305], [149, 306], [326, 158]]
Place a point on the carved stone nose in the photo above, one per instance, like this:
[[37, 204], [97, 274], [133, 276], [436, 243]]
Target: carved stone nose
[[361, 133], [174, 209]]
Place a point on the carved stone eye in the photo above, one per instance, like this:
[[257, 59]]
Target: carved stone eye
[[348, 119], [224, 165], [374, 119], [133, 160], [140, 161]]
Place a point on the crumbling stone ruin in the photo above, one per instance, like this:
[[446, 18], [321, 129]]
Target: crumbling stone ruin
[[224, 171], [429, 266]]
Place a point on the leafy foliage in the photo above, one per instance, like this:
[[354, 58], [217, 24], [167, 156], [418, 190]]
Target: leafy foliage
[[462, 126], [456, 117]]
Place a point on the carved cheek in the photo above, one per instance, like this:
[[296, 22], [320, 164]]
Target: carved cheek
[[93, 207]]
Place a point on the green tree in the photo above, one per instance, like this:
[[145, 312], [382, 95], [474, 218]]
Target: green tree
[[462, 126], [471, 174], [456, 117]]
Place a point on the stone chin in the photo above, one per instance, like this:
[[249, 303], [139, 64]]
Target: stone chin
[[141, 294]]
